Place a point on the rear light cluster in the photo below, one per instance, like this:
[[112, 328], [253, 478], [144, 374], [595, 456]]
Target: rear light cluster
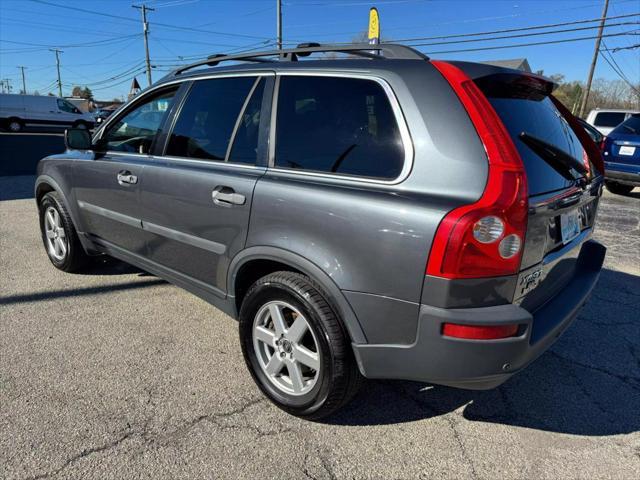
[[484, 239]]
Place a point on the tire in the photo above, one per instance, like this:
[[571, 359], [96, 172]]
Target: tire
[[337, 378], [14, 125], [619, 188], [57, 228]]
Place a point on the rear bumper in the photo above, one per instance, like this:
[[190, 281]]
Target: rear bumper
[[626, 174], [484, 364]]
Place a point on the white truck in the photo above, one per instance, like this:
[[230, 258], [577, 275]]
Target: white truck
[[20, 111], [606, 119]]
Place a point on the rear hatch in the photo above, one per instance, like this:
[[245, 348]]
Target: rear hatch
[[623, 143], [563, 195]]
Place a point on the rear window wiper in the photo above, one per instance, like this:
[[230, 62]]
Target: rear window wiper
[[631, 129], [560, 160]]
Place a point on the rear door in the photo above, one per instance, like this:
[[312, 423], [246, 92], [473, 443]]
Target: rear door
[[107, 188], [197, 192], [561, 210]]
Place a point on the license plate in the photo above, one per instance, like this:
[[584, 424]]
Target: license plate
[[569, 226], [626, 150]]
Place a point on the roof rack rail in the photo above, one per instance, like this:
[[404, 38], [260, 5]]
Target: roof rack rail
[[384, 51]]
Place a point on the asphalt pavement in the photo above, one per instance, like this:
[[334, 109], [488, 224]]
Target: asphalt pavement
[[115, 374]]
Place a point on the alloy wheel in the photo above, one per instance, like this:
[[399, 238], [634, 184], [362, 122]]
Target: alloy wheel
[[57, 243]]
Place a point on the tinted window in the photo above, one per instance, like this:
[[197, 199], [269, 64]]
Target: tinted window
[[630, 126], [538, 117], [135, 131], [245, 143], [338, 125], [67, 107], [609, 119], [208, 117]]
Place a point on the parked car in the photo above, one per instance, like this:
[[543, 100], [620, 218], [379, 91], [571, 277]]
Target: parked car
[[20, 111], [592, 131], [622, 156], [360, 217], [101, 114], [605, 120]]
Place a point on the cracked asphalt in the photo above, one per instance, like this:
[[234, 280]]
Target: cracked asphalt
[[116, 374]]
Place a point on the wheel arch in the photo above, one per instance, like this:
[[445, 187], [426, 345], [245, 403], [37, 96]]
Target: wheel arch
[[255, 262]]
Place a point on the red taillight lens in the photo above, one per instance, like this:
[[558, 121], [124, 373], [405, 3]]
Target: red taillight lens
[[479, 332], [455, 252], [593, 152]]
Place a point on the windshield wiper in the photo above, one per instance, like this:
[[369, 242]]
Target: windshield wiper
[[560, 160]]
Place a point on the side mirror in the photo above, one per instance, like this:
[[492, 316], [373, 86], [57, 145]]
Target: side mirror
[[77, 139]]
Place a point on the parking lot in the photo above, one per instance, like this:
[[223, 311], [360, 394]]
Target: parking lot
[[116, 374]]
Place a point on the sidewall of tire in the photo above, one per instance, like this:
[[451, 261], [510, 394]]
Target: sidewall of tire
[[309, 403], [69, 263]]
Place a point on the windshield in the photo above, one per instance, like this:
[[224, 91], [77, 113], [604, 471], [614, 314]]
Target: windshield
[[630, 125]]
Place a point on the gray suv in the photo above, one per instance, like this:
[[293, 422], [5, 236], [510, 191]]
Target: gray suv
[[377, 215]]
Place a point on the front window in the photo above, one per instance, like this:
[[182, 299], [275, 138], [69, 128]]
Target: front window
[[135, 131], [67, 107]]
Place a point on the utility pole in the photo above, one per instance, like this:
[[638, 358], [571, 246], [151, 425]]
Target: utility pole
[[279, 23], [24, 83], [58, 52], [596, 52], [145, 29]]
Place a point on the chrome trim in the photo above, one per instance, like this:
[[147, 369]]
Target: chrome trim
[[397, 111], [211, 163], [113, 117], [192, 240], [110, 214]]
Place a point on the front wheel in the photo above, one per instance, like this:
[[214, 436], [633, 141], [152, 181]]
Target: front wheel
[[14, 125], [59, 235], [618, 188], [296, 347]]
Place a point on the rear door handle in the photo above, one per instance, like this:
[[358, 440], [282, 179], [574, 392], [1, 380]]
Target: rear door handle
[[227, 196], [126, 177]]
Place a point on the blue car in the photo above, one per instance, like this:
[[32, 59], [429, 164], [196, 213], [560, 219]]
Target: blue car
[[622, 156]]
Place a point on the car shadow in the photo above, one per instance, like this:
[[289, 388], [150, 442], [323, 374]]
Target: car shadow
[[588, 383]]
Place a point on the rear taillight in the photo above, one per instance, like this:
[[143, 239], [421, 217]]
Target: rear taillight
[[484, 239], [479, 332], [603, 142]]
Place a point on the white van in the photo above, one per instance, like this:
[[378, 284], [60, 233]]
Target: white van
[[19, 111], [606, 120]]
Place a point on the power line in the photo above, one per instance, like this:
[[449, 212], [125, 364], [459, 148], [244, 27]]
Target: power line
[[521, 29], [532, 44], [616, 68], [523, 35]]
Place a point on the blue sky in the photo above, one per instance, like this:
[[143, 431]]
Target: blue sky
[[104, 51]]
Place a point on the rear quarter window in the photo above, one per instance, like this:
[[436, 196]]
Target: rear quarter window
[[337, 125], [609, 119]]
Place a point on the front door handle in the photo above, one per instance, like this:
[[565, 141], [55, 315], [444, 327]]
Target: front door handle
[[227, 196], [126, 178]]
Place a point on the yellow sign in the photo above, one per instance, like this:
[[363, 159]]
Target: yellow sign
[[374, 25]]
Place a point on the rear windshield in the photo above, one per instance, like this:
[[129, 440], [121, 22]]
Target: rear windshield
[[630, 126], [609, 119], [537, 116]]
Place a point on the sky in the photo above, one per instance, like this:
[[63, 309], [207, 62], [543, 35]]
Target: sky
[[103, 47]]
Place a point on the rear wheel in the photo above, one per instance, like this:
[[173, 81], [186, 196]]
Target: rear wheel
[[618, 188], [295, 346], [14, 125], [59, 235]]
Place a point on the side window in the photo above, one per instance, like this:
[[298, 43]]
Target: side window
[[337, 125], [135, 131], [245, 143], [609, 119], [208, 117], [67, 107]]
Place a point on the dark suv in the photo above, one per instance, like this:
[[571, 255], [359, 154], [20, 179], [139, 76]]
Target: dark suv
[[381, 215]]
